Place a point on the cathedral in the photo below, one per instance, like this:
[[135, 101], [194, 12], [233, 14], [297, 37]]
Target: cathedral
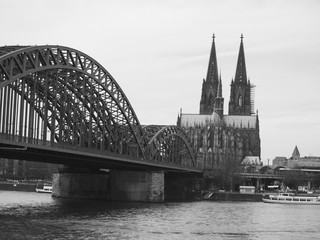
[[223, 141]]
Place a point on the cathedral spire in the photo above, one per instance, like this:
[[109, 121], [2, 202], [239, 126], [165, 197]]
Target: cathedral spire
[[219, 89], [212, 74], [240, 93], [219, 100], [241, 73], [210, 84]]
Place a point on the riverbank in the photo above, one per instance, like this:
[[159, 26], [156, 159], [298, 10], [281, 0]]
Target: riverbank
[[25, 187], [235, 196]]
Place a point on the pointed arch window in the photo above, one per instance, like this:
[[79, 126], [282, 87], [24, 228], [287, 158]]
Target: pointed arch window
[[240, 101], [211, 100]]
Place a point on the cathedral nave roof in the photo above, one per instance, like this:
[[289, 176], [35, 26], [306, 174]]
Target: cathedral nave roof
[[201, 120], [240, 121]]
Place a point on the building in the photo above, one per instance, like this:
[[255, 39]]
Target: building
[[297, 162], [279, 161], [299, 172], [222, 141], [19, 169]]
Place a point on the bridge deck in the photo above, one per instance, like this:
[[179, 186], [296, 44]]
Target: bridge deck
[[83, 157]]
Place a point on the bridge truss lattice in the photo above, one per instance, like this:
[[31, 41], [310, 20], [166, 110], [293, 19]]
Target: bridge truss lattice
[[55, 95]]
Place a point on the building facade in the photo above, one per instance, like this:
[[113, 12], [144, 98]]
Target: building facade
[[299, 173], [222, 141], [297, 162]]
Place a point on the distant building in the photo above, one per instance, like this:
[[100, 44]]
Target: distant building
[[296, 153], [305, 162], [295, 161], [19, 169], [224, 141], [300, 173], [279, 161], [251, 164]]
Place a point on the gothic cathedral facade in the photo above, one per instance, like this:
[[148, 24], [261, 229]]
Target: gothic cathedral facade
[[223, 140]]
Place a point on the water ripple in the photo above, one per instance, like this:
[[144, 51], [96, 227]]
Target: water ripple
[[38, 216]]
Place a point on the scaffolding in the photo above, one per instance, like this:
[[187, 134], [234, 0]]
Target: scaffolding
[[252, 94]]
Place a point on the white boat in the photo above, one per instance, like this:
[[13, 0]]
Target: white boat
[[45, 189], [290, 198], [208, 195]]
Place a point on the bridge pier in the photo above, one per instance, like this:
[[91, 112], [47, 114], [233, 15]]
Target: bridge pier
[[142, 186], [80, 184], [183, 186]]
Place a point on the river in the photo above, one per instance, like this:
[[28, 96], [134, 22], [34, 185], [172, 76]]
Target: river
[[29, 215]]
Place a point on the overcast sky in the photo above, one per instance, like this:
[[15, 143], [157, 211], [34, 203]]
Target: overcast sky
[[158, 52]]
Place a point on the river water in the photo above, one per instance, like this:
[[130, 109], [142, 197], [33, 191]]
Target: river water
[[28, 215]]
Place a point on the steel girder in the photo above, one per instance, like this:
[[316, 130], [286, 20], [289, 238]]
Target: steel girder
[[170, 144], [59, 95]]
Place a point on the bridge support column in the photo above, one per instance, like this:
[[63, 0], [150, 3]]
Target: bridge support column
[[80, 184], [143, 186], [183, 186]]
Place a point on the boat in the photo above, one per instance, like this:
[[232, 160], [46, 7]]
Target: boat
[[290, 198], [44, 189], [208, 195]]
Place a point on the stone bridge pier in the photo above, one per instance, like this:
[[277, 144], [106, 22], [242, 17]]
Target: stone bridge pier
[[121, 185]]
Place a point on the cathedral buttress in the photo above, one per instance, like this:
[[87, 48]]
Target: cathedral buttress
[[240, 93]]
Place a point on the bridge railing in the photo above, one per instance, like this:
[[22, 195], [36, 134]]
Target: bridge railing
[[38, 142], [23, 142]]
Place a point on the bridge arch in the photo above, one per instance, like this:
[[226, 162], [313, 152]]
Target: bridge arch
[[59, 95], [170, 144]]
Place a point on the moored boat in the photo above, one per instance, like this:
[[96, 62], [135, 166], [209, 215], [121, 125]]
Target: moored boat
[[44, 189], [290, 198]]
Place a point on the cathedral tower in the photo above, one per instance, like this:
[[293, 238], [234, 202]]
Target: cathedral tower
[[222, 141], [240, 92], [210, 84]]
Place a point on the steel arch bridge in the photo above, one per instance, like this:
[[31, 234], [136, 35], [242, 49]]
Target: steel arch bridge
[[59, 97], [169, 144]]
